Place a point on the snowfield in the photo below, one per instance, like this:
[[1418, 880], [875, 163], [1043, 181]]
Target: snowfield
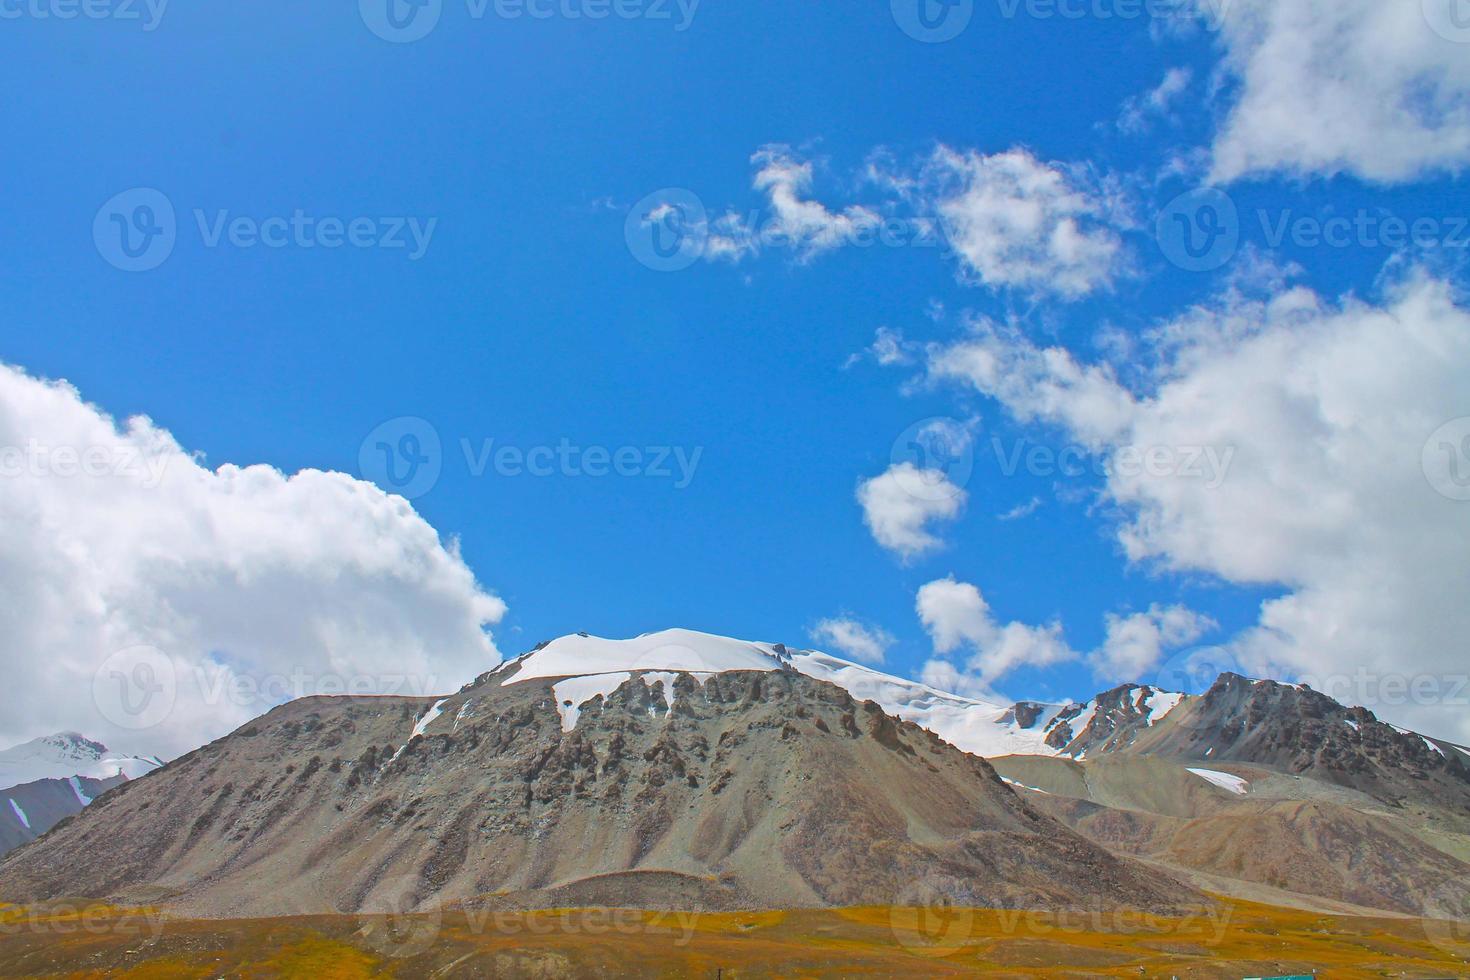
[[1224, 780]]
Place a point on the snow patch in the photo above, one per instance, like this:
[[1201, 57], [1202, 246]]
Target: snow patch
[[1012, 782], [428, 719], [1160, 703], [76, 788], [20, 814], [574, 692], [1351, 724], [1224, 780], [668, 681], [421, 726], [676, 650]]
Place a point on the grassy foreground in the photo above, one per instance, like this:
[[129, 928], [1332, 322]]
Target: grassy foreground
[[1234, 940]]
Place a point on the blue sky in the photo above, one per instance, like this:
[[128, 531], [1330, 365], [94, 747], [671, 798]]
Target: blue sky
[[529, 320]]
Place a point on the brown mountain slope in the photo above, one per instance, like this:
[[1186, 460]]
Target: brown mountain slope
[[1286, 833], [765, 789]]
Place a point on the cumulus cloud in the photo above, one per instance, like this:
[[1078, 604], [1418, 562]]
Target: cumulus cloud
[[899, 504], [1321, 87], [1018, 223], [1136, 643], [855, 640], [248, 585], [957, 617], [1326, 411]]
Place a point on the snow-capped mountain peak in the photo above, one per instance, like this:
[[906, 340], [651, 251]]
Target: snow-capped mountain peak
[[594, 666], [65, 755], [689, 651]]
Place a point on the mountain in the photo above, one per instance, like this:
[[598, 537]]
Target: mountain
[[68, 754], [48, 779], [677, 770]]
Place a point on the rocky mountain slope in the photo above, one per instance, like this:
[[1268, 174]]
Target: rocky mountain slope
[[681, 772]]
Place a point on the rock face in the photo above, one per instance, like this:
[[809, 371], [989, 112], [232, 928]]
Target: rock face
[[736, 789], [1297, 730], [29, 810]]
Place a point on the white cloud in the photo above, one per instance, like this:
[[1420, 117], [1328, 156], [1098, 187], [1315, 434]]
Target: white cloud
[[1140, 112], [959, 620], [795, 221], [853, 639], [1019, 223], [957, 617], [1037, 383], [1021, 510], [899, 504], [1365, 87], [1135, 644], [233, 573], [1327, 410]]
